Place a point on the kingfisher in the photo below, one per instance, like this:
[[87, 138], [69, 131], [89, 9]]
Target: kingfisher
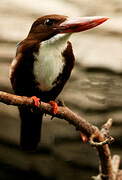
[[43, 63]]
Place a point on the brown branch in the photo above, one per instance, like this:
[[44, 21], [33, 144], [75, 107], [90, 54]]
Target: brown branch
[[106, 170]]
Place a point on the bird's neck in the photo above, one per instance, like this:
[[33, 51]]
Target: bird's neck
[[49, 61]]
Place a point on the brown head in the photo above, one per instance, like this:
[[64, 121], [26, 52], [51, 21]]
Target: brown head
[[48, 26]]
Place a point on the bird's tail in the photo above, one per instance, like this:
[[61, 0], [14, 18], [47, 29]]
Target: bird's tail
[[30, 128]]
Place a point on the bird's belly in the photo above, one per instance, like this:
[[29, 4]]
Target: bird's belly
[[47, 69]]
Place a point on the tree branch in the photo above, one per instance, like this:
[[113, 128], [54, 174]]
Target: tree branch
[[92, 132]]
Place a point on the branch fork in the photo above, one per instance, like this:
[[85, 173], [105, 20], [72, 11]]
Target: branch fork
[[98, 138]]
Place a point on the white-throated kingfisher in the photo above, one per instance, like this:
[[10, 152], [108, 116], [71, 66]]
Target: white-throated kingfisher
[[42, 65]]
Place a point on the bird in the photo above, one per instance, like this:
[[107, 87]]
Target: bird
[[42, 65]]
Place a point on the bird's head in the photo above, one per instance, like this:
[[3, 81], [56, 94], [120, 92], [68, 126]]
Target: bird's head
[[48, 26]]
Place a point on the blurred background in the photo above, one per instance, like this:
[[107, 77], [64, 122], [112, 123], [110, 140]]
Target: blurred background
[[94, 91]]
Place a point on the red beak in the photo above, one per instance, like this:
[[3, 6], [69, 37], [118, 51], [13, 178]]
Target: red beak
[[81, 24]]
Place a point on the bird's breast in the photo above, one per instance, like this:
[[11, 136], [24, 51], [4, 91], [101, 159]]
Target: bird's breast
[[48, 65]]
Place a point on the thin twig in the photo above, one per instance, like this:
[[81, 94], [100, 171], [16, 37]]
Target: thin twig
[[105, 133], [108, 140], [106, 127], [115, 164]]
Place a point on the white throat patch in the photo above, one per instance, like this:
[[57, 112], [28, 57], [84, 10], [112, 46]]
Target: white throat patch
[[49, 61]]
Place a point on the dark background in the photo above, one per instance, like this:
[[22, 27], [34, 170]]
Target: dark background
[[94, 91]]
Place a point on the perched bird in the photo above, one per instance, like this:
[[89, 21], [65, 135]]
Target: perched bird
[[43, 64]]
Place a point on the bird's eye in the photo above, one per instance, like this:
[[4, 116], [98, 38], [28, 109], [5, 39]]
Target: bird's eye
[[49, 22]]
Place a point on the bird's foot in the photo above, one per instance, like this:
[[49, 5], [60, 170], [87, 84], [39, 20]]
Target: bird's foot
[[54, 107], [84, 138], [36, 101]]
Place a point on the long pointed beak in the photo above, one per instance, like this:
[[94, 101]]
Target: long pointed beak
[[81, 24]]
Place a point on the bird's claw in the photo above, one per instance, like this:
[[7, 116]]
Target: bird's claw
[[54, 107], [36, 101], [84, 138]]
